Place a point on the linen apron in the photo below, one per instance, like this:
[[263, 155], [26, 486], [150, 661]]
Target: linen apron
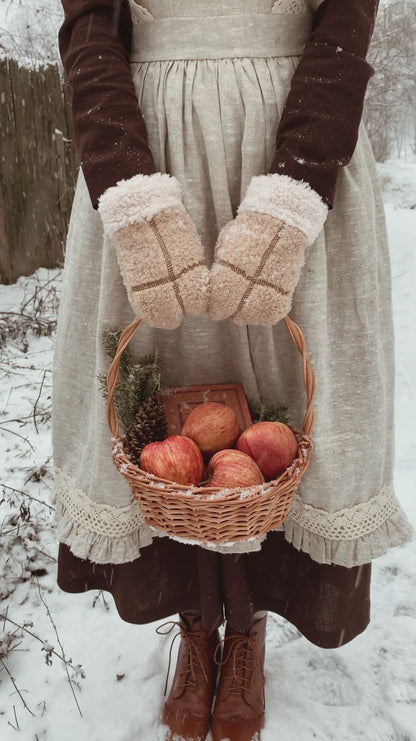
[[211, 81]]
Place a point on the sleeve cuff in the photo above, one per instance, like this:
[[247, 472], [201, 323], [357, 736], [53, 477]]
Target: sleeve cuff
[[136, 199], [291, 201]]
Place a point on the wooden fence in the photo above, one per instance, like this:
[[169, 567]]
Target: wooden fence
[[37, 168]]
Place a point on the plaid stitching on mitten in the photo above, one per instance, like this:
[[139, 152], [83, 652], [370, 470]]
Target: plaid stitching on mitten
[[257, 265], [159, 252], [163, 268], [259, 255]]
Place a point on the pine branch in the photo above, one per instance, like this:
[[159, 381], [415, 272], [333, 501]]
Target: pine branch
[[270, 413], [110, 338], [102, 384], [137, 381]]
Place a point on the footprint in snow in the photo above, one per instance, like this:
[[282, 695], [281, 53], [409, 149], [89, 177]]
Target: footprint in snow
[[326, 680], [398, 675], [405, 609]]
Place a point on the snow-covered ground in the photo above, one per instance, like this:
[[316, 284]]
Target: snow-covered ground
[[70, 668]]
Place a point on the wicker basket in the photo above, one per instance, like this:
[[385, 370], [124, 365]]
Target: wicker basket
[[208, 515]]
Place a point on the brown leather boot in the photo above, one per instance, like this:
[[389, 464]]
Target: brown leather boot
[[238, 713], [187, 710]]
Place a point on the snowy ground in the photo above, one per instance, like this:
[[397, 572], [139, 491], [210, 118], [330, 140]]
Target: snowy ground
[[69, 667]]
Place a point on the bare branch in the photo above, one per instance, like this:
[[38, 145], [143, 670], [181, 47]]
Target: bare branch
[[25, 705], [61, 647]]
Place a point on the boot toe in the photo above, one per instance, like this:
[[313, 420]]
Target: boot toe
[[229, 730], [184, 727]]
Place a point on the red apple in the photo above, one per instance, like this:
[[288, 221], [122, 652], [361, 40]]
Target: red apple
[[213, 426], [231, 468], [177, 459], [272, 445]]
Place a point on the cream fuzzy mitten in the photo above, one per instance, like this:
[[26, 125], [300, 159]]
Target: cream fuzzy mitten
[[159, 252], [259, 255]]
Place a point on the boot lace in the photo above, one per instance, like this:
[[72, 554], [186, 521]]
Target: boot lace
[[194, 665], [239, 662]]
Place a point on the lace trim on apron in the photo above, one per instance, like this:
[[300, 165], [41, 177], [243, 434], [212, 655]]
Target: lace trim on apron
[[101, 532], [108, 534], [348, 523]]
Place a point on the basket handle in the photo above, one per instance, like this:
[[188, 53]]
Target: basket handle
[[298, 340], [308, 374], [113, 372]]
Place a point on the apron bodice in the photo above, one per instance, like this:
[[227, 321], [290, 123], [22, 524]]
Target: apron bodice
[[219, 29], [158, 9]]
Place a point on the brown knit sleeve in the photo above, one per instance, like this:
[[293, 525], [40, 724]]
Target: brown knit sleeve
[[318, 130], [109, 129]]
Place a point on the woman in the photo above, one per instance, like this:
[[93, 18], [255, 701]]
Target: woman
[[185, 112]]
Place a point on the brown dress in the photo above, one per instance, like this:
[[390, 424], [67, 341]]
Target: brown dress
[[328, 602]]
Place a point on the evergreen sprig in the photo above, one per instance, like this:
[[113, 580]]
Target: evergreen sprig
[[268, 413], [137, 380], [110, 339]]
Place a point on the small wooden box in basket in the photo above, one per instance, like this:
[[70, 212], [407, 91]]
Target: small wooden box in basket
[[210, 516]]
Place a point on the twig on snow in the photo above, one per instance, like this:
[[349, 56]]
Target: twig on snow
[[36, 402], [48, 612], [16, 727], [48, 555], [11, 432], [33, 635], [29, 496], [25, 705]]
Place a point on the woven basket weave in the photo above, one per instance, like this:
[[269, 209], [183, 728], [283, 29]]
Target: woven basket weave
[[209, 515]]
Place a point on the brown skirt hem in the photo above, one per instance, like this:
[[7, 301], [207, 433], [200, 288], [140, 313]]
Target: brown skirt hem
[[329, 605]]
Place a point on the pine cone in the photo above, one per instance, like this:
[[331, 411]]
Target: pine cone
[[148, 426]]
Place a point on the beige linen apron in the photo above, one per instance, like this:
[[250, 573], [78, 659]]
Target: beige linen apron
[[211, 80]]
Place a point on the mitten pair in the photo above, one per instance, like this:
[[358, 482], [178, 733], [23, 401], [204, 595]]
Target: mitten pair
[[258, 256]]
